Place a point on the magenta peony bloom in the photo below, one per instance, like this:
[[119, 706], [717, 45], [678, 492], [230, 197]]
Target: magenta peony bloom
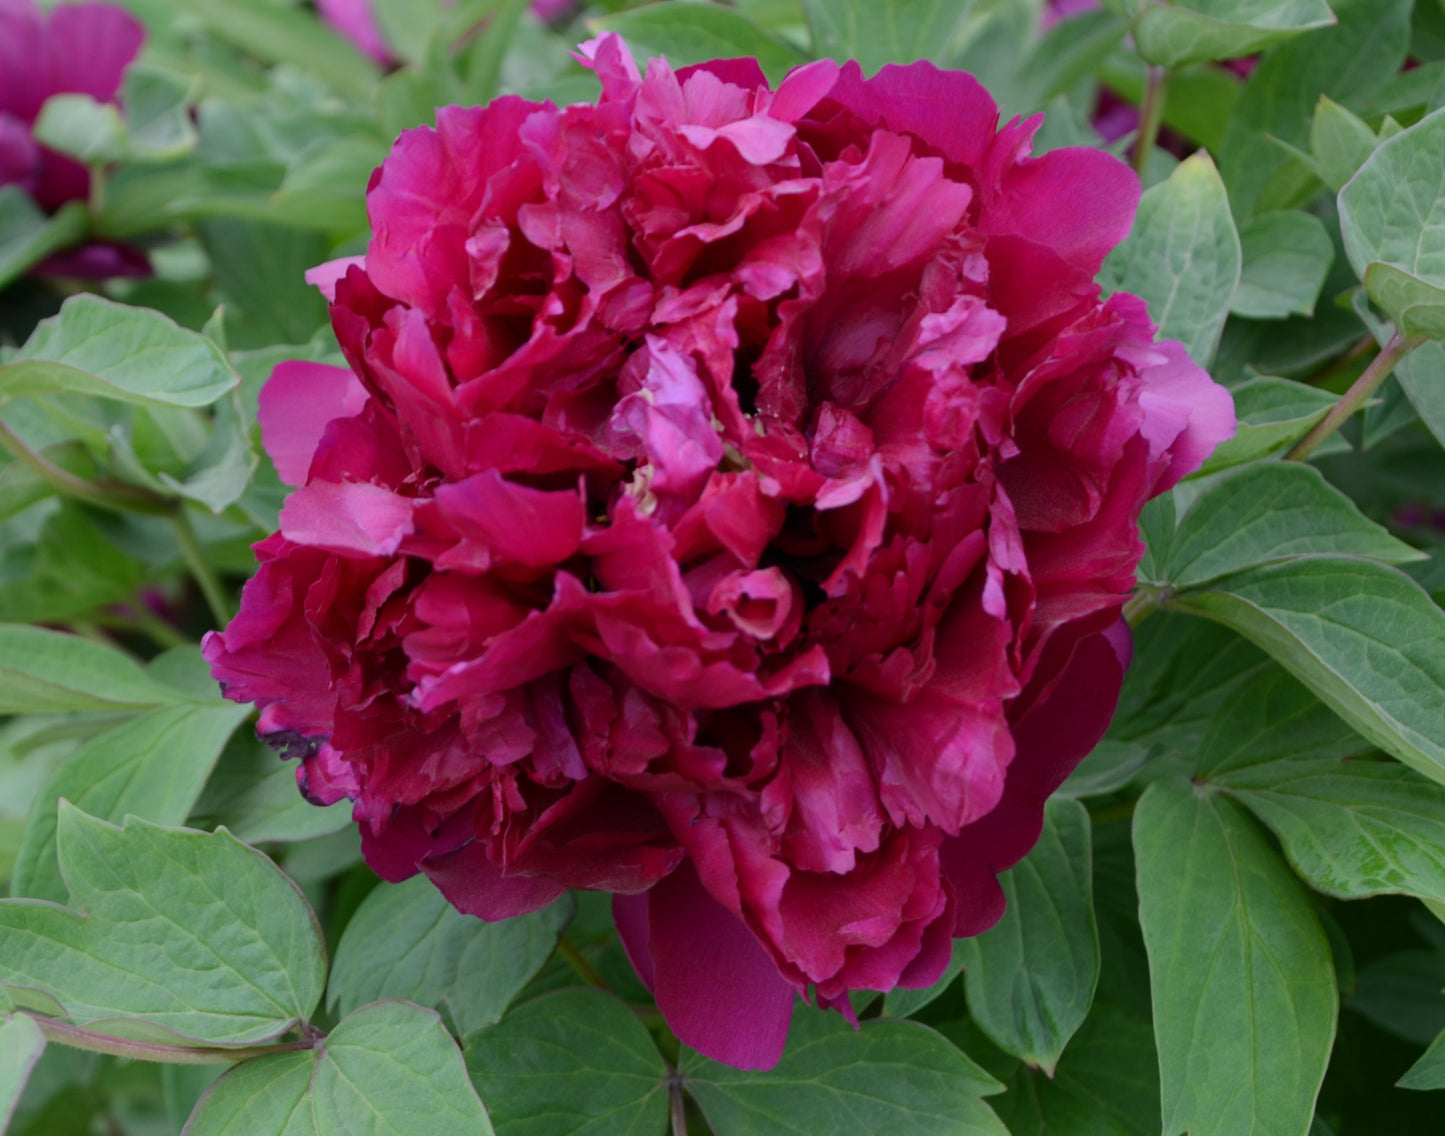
[[729, 505], [75, 48]]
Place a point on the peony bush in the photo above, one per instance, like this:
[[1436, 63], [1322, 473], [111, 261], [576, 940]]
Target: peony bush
[[801, 579]]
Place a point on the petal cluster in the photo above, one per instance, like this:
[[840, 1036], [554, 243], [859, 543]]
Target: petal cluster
[[729, 505], [72, 49]]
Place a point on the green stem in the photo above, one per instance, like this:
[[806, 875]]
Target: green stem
[[196, 561], [1142, 604], [77, 1038], [588, 973], [1151, 118], [1376, 373], [112, 495], [677, 1106]]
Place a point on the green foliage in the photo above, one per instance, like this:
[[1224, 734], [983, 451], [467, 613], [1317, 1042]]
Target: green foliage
[[408, 941], [573, 1063], [887, 1077], [1194, 30], [388, 1068], [1183, 257], [1031, 978], [1394, 239], [1244, 988], [174, 934]]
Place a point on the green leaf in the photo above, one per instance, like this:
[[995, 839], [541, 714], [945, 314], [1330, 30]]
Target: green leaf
[[1269, 512], [1244, 987], [695, 33], [194, 934], [1392, 216], [1192, 31], [89, 131], [1348, 62], [885, 1078], [157, 113], [1419, 376], [1287, 256], [28, 236], [407, 940], [1340, 142], [1267, 720], [98, 347], [255, 796], [877, 32], [1429, 1071], [21, 1044], [571, 1063], [1183, 257], [1030, 979], [1107, 1083], [1354, 828], [46, 672], [1364, 637], [282, 34], [152, 766], [389, 1069], [1272, 414]]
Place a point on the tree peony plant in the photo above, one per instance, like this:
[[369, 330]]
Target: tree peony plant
[[729, 505]]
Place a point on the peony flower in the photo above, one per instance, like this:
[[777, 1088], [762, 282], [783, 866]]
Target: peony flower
[[729, 505], [74, 48]]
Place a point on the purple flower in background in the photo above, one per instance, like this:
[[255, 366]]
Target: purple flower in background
[[76, 48]]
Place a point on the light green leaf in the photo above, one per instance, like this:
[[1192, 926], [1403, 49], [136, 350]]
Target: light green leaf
[[389, 1069], [1364, 637], [267, 1096], [152, 766], [1348, 62], [157, 113], [1429, 1071], [21, 1044], [1268, 512], [1183, 257], [1340, 142], [1287, 256], [254, 795], [1030, 979], [95, 346], [1192, 31], [1421, 375], [877, 32], [885, 1078], [1354, 828], [89, 131], [1272, 414], [28, 236], [194, 934], [1244, 987], [45, 672], [406, 939], [572, 1063], [696, 33], [1392, 216]]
